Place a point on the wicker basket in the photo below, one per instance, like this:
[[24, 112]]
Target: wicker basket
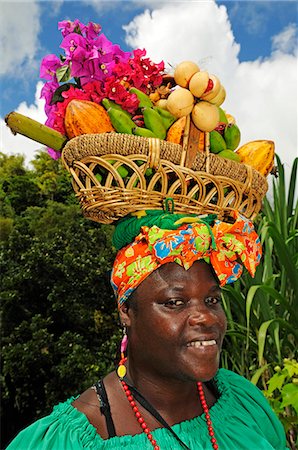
[[199, 182]]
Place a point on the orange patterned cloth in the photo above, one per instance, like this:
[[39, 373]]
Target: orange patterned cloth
[[225, 246]]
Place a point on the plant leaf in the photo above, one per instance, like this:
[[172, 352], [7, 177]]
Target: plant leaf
[[290, 396], [63, 73]]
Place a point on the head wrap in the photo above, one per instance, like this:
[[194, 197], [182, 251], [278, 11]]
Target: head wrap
[[224, 245]]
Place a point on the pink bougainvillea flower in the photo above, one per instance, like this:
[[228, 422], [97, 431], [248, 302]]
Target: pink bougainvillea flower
[[71, 42], [47, 93], [67, 26], [92, 30], [53, 153], [48, 67]]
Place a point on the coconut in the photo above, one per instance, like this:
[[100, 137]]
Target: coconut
[[214, 91], [220, 97], [180, 102], [198, 83], [205, 116], [184, 71]]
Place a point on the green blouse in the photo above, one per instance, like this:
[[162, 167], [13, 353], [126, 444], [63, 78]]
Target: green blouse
[[242, 419]]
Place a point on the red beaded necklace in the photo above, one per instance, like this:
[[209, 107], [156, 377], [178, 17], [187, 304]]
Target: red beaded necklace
[[121, 373]]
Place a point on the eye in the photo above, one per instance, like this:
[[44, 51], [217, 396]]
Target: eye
[[213, 301], [174, 303]]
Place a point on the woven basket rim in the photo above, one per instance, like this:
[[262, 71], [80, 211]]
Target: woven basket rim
[[124, 144]]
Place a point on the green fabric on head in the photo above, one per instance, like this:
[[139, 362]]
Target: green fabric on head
[[128, 228]]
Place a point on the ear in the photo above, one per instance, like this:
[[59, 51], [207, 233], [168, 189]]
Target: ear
[[125, 315]]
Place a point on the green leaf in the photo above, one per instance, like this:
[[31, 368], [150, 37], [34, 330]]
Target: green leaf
[[276, 382], [255, 378], [63, 73], [292, 188], [290, 396]]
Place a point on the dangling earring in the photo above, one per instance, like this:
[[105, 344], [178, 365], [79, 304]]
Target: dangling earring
[[121, 371]]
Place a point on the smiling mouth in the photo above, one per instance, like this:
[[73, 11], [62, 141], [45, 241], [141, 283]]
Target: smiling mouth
[[198, 344]]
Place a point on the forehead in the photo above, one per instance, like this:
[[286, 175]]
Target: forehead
[[172, 276]]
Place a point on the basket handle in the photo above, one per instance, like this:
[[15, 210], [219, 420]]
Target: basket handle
[[154, 153]]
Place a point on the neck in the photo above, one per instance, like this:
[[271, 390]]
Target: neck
[[163, 392]]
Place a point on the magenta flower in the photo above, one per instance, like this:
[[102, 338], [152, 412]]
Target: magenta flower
[[47, 93], [48, 67], [99, 69], [67, 27]]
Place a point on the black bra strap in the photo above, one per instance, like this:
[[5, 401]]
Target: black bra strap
[[139, 397], [105, 407]]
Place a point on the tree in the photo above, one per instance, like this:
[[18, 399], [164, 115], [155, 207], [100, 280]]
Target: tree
[[59, 317]]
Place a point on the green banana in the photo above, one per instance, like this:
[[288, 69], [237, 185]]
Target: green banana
[[110, 104], [140, 131], [144, 100], [217, 142], [222, 116], [232, 136], [167, 118], [120, 121], [153, 122]]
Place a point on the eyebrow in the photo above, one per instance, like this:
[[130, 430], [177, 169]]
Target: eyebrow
[[214, 289]]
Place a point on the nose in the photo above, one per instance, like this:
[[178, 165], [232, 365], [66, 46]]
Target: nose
[[202, 316]]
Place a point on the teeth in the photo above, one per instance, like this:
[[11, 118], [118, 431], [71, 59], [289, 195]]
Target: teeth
[[198, 344]]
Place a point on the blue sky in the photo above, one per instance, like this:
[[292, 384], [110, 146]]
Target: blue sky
[[250, 45]]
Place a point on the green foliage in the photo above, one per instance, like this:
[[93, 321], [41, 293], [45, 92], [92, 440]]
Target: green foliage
[[60, 329], [262, 312], [282, 394]]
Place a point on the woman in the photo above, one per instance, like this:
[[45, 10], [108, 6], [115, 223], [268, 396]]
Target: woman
[[168, 393]]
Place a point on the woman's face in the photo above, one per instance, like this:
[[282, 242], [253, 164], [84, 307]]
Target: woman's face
[[178, 326]]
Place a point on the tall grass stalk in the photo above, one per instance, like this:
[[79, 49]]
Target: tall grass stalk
[[262, 312]]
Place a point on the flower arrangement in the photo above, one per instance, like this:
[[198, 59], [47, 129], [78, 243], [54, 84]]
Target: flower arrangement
[[93, 68]]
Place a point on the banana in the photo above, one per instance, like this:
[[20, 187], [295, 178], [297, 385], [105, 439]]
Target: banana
[[232, 136], [140, 131], [229, 154], [153, 122], [144, 99], [167, 118], [258, 154], [217, 142], [120, 121], [110, 104], [222, 116]]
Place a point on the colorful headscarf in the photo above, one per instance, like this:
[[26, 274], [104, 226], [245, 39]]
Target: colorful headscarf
[[224, 245]]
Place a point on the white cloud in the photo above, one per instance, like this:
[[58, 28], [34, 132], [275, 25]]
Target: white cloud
[[286, 41], [19, 144], [19, 28], [261, 94]]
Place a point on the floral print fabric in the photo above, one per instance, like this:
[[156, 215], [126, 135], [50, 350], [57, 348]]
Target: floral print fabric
[[226, 246]]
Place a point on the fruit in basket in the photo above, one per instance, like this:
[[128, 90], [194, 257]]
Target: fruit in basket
[[258, 154], [85, 117], [145, 132], [220, 97], [121, 121], [153, 122], [184, 71], [167, 118], [217, 142], [205, 116], [175, 132], [144, 99], [107, 103], [199, 83], [214, 91], [229, 154], [232, 136], [180, 102]]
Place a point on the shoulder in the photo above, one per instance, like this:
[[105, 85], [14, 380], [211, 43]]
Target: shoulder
[[66, 428], [241, 389], [247, 402]]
